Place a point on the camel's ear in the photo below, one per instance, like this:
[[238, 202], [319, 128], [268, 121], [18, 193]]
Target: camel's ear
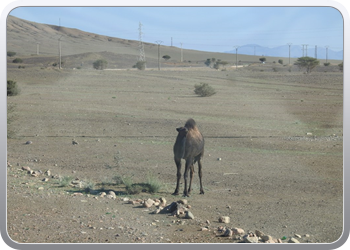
[[182, 129]]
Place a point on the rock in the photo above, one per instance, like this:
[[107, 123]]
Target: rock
[[182, 201], [29, 142], [252, 239], [103, 194], [48, 173], [41, 188], [219, 159], [45, 179], [208, 222], [112, 194], [204, 229], [307, 235], [297, 235], [74, 142], [279, 241], [266, 238], [148, 203], [26, 168], [162, 202], [189, 215], [228, 233], [224, 219], [238, 231], [293, 240], [259, 233], [35, 174]]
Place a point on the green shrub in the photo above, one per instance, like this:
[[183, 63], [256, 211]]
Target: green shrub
[[327, 64], [11, 53], [204, 90], [17, 60], [12, 88], [65, 181], [340, 65], [153, 183], [100, 64], [280, 61], [141, 65]]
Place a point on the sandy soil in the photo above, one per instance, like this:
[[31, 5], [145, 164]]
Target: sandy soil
[[273, 154]]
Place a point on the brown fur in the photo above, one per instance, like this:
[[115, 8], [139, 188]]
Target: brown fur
[[189, 145]]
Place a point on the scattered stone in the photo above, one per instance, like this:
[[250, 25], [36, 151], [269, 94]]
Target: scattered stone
[[45, 179], [259, 233], [41, 188], [238, 231], [297, 235], [293, 240], [228, 233], [74, 142], [111, 195], [266, 238], [77, 194], [183, 201], [308, 133], [26, 168], [307, 235], [189, 215], [162, 202], [219, 159], [204, 229], [208, 222], [279, 241], [103, 194], [148, 203], [224, 219], [29, 142], [48, 173], [252, 239], [35, 174]]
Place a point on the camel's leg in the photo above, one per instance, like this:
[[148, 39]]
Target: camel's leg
[[200, 175], [189, 162], [178, 175], [191, 177]]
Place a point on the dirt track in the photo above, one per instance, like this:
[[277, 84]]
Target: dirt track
[[272, 175]]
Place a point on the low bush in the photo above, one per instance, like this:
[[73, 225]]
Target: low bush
[[204, 90], [17, 60], [12, 88], [100, 64], [11, 53], [141, 65]]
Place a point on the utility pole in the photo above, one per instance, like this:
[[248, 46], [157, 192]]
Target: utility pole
[[236, 47], [59, 51], [158, 42], [289, 44], [37, 48], [327, 53], [142, 57], [316, 51], [303, 49], [182, 58], [306, 48]]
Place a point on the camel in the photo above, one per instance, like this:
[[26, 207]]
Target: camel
[[189, 145]]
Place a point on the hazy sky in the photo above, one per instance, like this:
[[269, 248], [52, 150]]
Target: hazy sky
[[216, 29]]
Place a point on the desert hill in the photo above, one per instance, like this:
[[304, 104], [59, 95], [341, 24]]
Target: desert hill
[[38, 44]]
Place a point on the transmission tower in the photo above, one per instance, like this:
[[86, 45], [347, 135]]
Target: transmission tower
[[142, 56], [289, 44]]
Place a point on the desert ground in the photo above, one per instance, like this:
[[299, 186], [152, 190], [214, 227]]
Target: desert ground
[[273, 158], [273, 154]]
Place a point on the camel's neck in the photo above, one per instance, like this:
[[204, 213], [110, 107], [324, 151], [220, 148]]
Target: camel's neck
[[180, 146]]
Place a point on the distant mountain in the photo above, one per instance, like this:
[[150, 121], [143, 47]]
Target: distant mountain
[[283, 51]]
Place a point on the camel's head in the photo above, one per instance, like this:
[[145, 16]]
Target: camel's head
[[182, 131]]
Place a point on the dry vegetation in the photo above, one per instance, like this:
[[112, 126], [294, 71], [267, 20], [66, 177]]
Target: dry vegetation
[[273, 154]]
